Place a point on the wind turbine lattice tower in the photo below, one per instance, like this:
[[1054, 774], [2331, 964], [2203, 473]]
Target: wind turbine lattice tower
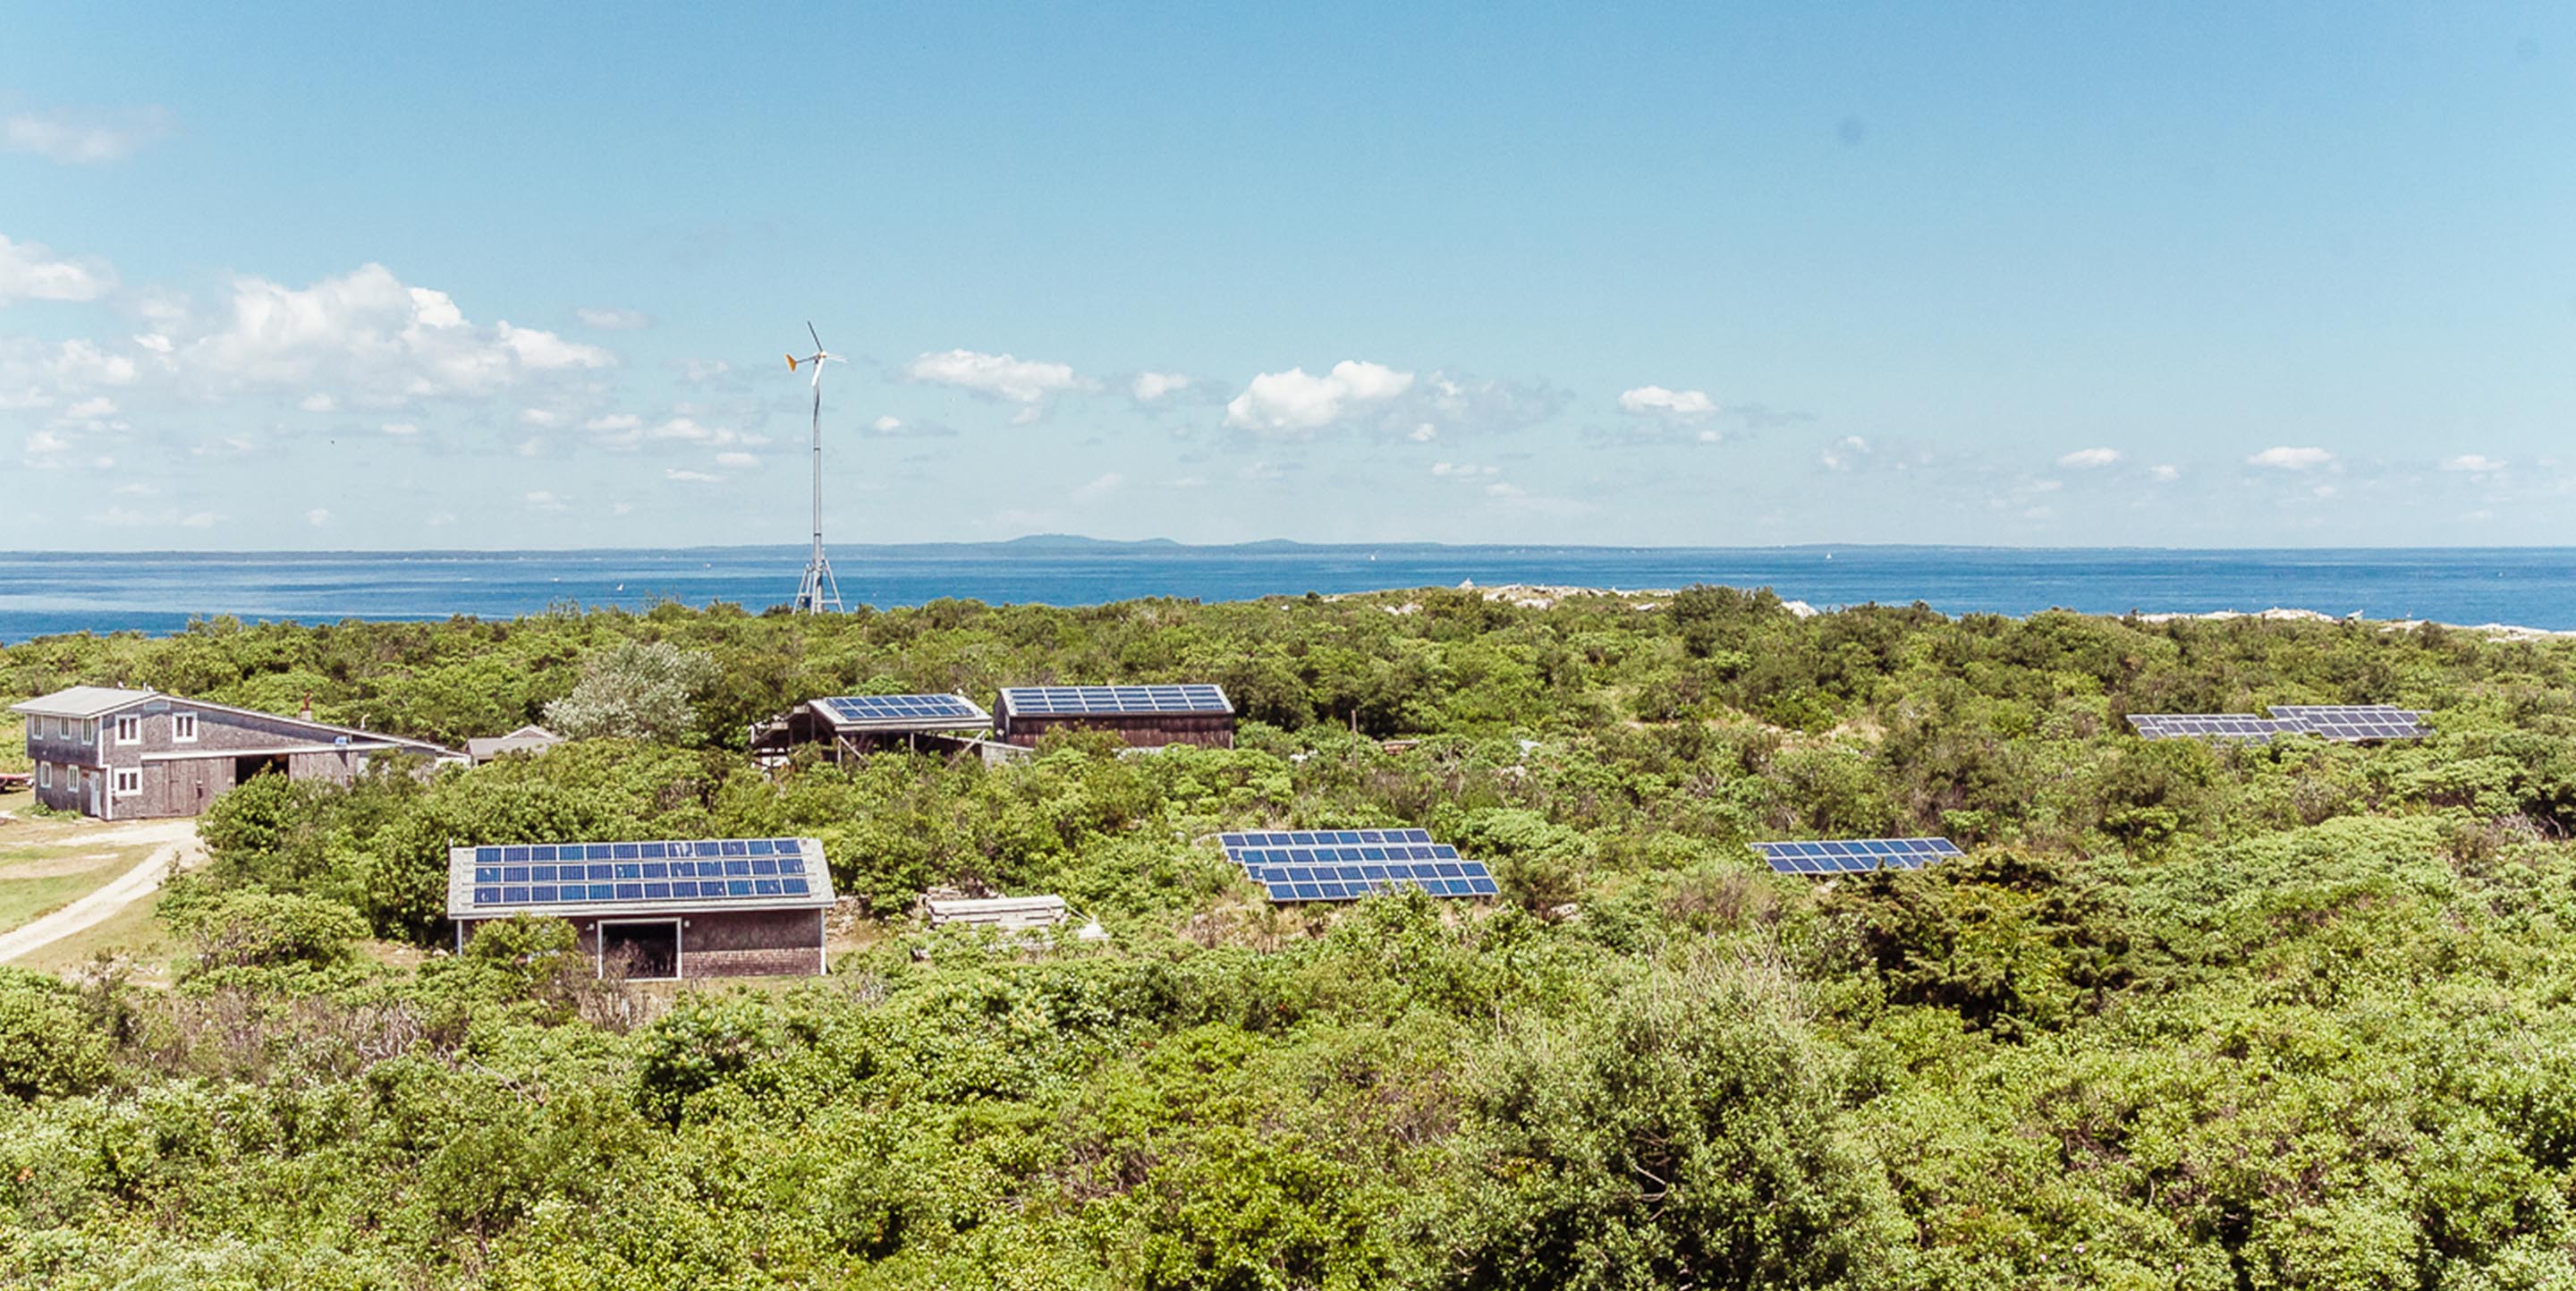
[[819, 593]]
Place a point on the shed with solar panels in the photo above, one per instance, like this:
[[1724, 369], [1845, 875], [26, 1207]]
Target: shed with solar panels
[[849, 727], [661, 909], [1144, 716]]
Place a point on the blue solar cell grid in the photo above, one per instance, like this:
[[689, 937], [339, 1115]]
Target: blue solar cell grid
[[2207, 726], [2344, 722], [693, 871], [1856, 855], [1347, 864], [902, 708], [1082, 701]]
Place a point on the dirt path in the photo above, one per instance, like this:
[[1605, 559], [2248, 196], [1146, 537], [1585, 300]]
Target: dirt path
[[178, 850]]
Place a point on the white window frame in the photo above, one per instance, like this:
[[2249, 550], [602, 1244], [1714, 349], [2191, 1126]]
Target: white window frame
[[44, 775], [117, 783], [89, 732], [183, 728], [129, 729]]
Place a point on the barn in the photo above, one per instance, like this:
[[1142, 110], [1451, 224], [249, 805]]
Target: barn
[[122, 754], [1144, 716], [670, 909], [850, 727]]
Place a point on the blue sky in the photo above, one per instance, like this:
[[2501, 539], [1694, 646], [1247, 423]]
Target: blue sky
[[486, 276]]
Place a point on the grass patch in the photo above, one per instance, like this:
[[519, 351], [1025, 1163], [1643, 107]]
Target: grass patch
[[132, 932]]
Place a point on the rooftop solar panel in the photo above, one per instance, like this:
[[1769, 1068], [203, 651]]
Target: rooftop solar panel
[[1348, 864], [1089, 701], [904, 710], [564, 879], [1855, 855]]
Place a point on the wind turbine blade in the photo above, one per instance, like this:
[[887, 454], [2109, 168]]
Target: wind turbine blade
[[818, 341]]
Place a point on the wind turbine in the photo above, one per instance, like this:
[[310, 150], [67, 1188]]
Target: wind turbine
[[819, 592]]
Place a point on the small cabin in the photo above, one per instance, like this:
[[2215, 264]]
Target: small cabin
[[669, 909], [526, 739], [120, 754], [850, 727], [1144, 716]]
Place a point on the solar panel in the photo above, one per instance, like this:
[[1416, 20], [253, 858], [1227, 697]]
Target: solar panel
[[570, 878], [898, 710], [2350, 722], [1856, 855], [1091, 701], [2206, 726], [1347, 864], [2344, 722]]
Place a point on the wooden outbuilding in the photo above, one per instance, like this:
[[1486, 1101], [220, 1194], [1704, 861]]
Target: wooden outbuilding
[[526, 739], [1144, 716], [120, 754], [665, 909], [850, 727]]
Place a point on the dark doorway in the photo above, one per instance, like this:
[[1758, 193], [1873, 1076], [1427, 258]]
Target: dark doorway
[[258, 764], [640, 951]]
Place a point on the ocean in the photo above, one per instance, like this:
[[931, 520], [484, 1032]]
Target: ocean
[[53, 592]]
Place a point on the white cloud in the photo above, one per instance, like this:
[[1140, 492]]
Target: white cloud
[[1677, 405], [2163, 474], [692, 477], [737, 461], [136, 489], [319, 401], [2291, 459], [544, 500], [1099, 488], [167, 518], [399, 429], [1150, 387], [91, 409], [376, 340], [997, 376], [1463, 469], [318, 517], [1424, 433], [83, 138], [540, 417], [1295, 403], [2474, 464], [81, 363], [888, 425], [439, 519], [1845, 453], [614, 320], [2086, 459], [622, 431], [28, 271]]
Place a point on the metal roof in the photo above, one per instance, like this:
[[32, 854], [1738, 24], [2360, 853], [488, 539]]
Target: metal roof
[[82, 702]]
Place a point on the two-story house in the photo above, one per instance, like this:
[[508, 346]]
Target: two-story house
[[137, 754]]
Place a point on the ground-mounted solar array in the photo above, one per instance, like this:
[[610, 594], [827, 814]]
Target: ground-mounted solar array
[[1106, 701], [1347, 864], [2353, 721], [694, 873], [2205, 726], [899, 710], [2347, 723], [1856, 855]]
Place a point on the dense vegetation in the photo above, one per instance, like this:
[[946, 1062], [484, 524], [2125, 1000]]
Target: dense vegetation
[[2188, 1017]]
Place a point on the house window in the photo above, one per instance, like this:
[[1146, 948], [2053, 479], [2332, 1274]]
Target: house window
[[44, 775], [129, 730], [183, 728], [128, 782], [89, 731]]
